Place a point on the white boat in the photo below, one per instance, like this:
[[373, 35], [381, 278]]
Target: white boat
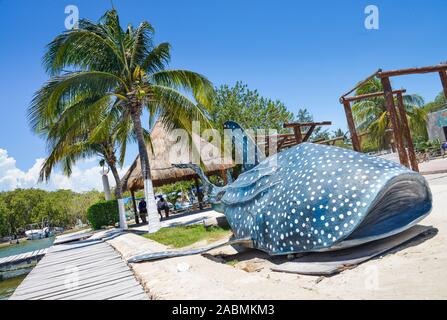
[[35, 234], [36, 231]]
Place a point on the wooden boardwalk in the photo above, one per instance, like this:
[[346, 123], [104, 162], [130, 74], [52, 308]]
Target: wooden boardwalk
[[23, 257], [83, 270], [65, 238]]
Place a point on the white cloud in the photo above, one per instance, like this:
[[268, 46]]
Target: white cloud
[[85, 176]]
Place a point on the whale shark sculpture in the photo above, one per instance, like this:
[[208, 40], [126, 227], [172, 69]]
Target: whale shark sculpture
[[313, 197]]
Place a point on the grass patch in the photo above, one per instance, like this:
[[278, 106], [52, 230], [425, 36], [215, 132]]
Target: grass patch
[[183, 236]]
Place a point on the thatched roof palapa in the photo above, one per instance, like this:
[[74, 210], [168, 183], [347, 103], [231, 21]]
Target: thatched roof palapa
[[166, 150]]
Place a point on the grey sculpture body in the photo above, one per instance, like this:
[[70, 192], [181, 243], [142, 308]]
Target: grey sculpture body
[[315, 197]]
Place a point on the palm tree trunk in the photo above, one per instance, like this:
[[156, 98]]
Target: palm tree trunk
[[106, 186], [119, 197], [151, 205]]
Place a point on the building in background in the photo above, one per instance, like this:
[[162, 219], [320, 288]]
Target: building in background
[[437, 125]]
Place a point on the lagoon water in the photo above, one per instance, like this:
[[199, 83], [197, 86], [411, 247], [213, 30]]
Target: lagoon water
[[8, 286], [26, 246]]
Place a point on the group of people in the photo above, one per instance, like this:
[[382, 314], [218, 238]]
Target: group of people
[[185, 200], [162, 205]]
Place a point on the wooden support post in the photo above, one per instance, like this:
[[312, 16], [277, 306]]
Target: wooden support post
[[407, 133], [351, 125], [137, 217], [309, 133], [443, 76], [394, 121], [298, 135]]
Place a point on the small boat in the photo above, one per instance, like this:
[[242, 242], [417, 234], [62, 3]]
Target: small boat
[[33, 231], [35, 234]]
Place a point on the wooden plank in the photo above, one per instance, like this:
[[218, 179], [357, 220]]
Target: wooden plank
[[443, 76], [309, 133], [8, 259], [421, 70], [85, 291], [394, 121], [106, 290], [371, 95], [68, 258], [351, 125], [306, 124], [82, 263], [328, 263], [91, 277], [406, 133], [359, 84], [69, 238], [61, 288], [100, 271]]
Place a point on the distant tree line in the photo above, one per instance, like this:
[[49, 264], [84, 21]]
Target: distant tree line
[[62, 208]]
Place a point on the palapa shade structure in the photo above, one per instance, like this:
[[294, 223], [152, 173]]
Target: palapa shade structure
[[163, 153]]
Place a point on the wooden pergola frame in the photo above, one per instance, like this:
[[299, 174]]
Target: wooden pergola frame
[[398, 128]]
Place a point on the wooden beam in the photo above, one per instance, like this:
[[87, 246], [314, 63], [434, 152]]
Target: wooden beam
[[401, 72], [306, 124], [351, 125], [371, 95], [309, 133], [298, 135], [443, 76], [394, 121], [359, 84], [330, 140], [407, 133]]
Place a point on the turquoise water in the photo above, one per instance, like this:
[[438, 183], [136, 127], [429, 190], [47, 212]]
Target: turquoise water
[[25, 246], [8, 286]]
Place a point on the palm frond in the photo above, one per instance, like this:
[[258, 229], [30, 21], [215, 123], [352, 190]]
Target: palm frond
[[157, 58], [200, 86]]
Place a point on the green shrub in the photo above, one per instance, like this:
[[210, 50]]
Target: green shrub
[[103, 213]]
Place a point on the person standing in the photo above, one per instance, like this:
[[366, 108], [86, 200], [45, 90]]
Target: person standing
[[163, 205], [142, 209]]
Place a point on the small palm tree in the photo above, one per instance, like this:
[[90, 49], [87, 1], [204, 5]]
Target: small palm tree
[[372, 116], [101, 61]]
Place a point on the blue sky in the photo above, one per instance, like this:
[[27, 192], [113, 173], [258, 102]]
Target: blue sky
[[304, 53]]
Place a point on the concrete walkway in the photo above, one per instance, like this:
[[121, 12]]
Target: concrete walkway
[[436, 165]]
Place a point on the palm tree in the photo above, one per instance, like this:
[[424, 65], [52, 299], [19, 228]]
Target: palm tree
[[100, 61], [79, 134], [371, 114]]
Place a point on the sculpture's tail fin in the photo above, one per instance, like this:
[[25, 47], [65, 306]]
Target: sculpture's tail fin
[[211, 189], [245, 146]]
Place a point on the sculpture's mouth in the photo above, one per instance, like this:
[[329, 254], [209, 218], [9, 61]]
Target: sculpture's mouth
[[402, 203]]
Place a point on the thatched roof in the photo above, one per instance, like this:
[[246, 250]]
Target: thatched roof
[[160, 155]]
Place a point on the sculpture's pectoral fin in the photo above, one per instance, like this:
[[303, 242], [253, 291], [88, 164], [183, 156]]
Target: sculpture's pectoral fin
[[150, 256]]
